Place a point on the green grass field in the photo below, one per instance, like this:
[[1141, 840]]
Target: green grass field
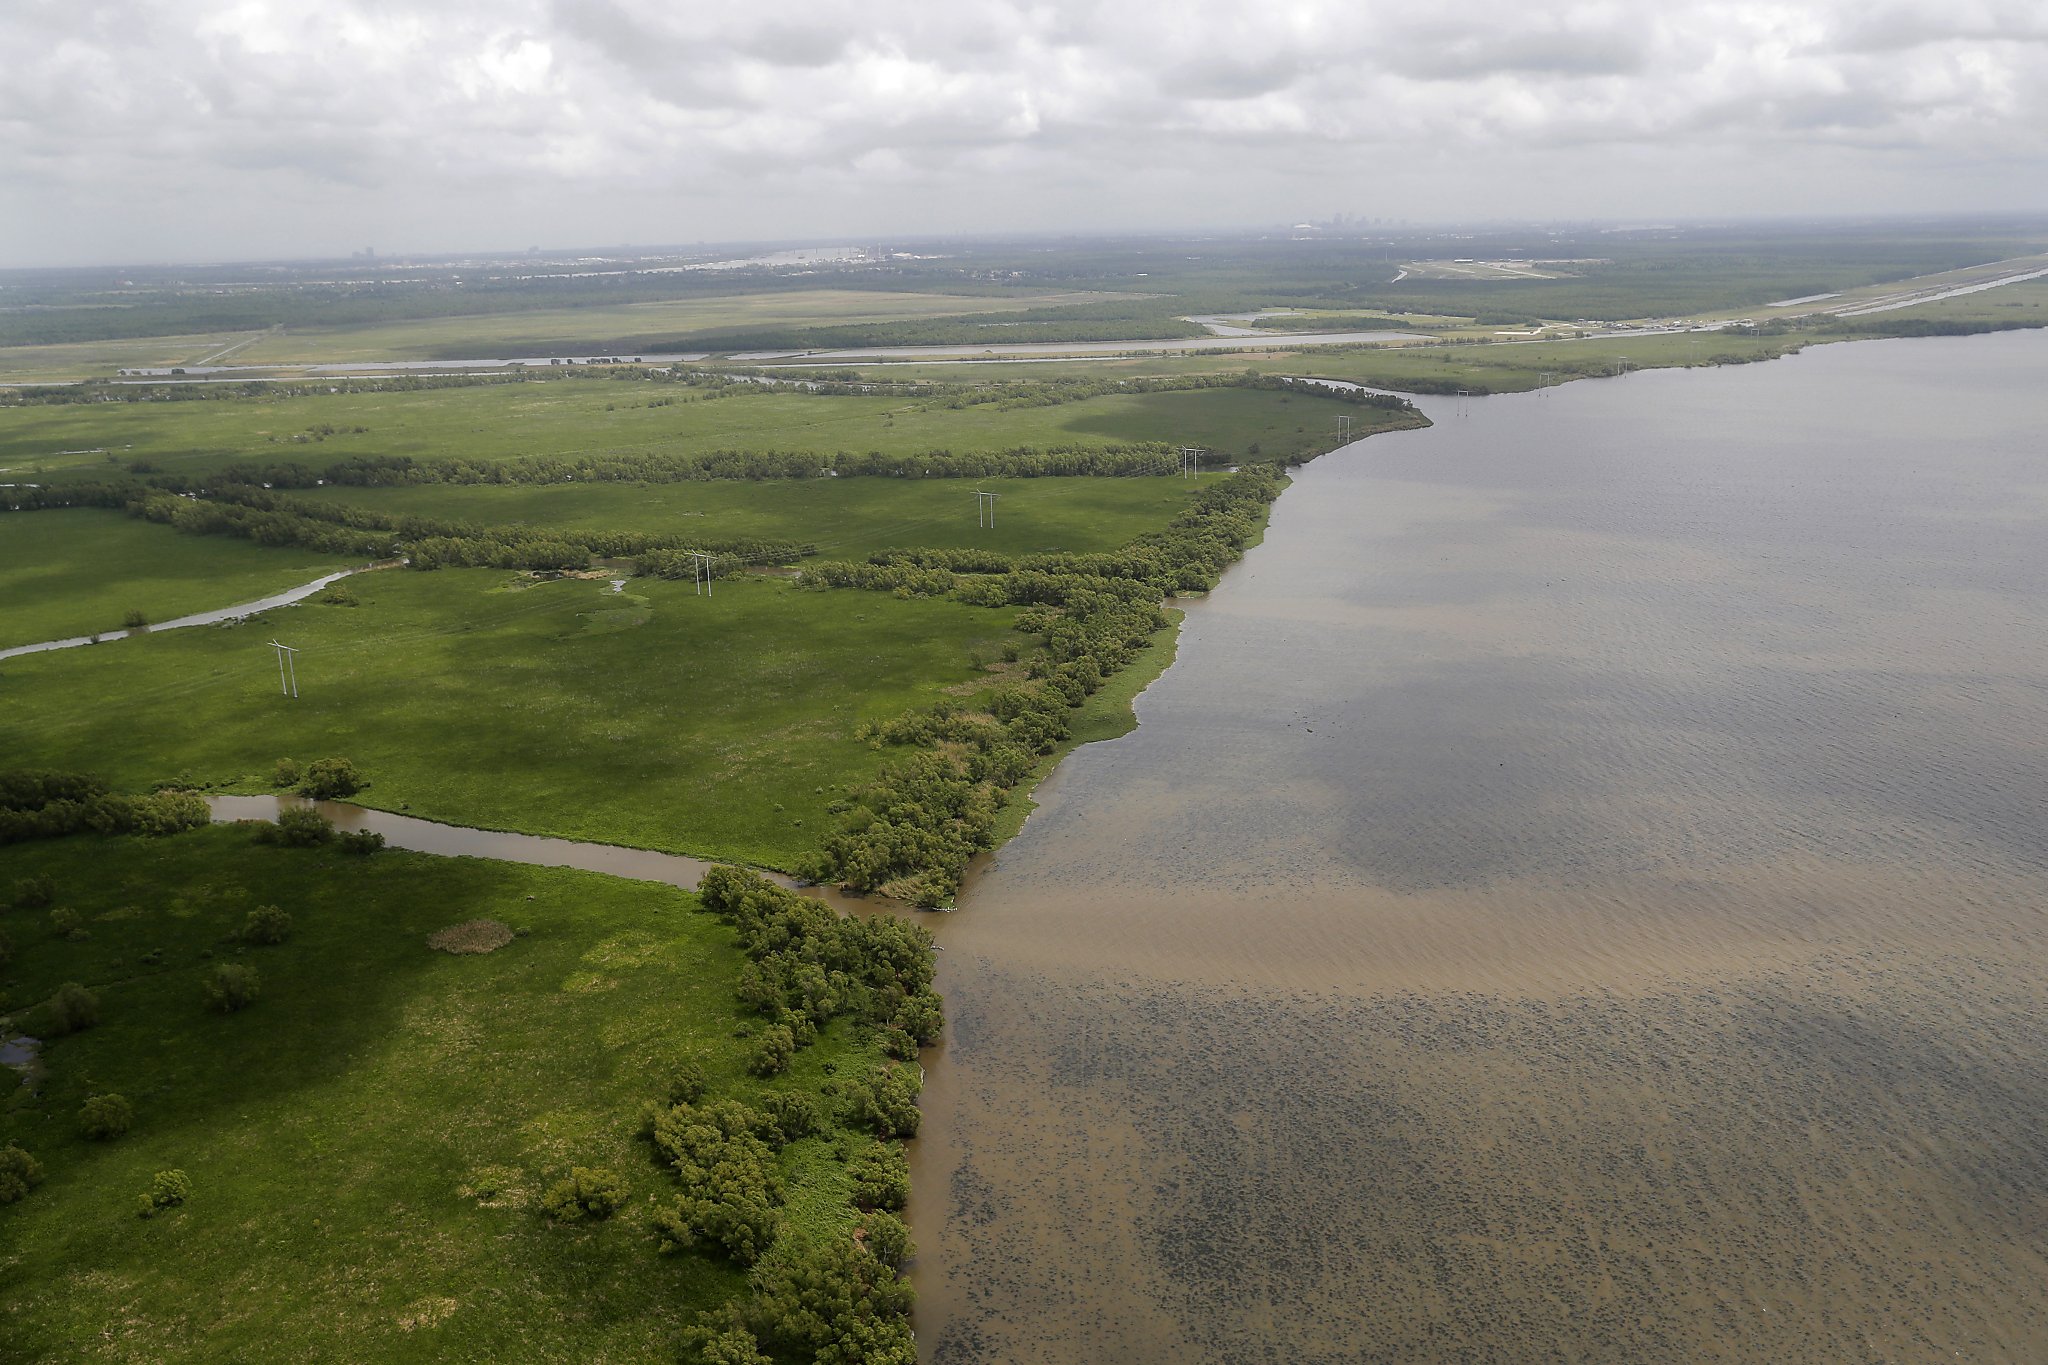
[[74, 572], [340, 1133], [570, 416], [845, 518], [717, 726], [634, 324], [1490, 367], [65, 361]]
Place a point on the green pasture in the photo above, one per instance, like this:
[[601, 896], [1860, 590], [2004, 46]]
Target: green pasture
[[367, 1142], [77, 571], [846, 518], [720, 726], [591, 414]]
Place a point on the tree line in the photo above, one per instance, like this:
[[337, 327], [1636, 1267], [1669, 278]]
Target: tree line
[[911, 832]]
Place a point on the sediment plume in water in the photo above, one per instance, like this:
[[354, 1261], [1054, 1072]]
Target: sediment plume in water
[[1581, 894]]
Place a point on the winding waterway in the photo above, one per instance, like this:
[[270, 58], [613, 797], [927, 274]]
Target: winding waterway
[[1579, 895]]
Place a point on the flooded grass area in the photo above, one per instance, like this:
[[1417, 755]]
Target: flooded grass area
[[1578, 896]]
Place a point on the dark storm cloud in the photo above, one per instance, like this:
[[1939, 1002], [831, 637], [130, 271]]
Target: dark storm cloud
[[144, 127]]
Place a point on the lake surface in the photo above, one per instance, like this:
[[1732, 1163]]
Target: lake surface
[[1579, 895]]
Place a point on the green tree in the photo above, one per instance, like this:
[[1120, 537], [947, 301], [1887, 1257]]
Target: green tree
[[70, 1009], [266, 925], [231, 987], [587, 1192], [887, 1239], [714, 1343], [105, 1117], [167, 1189], [687, 1085], [329, 779], [773, 1051], [19, 1173]]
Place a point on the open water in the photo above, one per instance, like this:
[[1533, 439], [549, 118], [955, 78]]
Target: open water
[[1579, 895]]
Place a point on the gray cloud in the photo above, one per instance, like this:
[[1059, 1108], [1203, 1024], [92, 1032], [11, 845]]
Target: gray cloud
[[144, 128]]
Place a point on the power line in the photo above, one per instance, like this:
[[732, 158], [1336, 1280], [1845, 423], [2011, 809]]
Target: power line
[[287, 668]]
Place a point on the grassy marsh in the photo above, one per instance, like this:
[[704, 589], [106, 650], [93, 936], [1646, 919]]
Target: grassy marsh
[[717, 726], [77, 571], [367, 1142], [597, 415]]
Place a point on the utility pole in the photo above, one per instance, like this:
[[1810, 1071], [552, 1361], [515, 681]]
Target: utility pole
[[287, 668], [1191, 461], [700, 572], [985, 508]]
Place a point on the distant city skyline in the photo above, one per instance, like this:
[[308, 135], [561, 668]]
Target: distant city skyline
[[139, 131]]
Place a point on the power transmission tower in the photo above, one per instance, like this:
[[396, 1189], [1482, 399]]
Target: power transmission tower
[[287, 668], [1191, 461], [1343, 428], [985, 508], [700, 572]]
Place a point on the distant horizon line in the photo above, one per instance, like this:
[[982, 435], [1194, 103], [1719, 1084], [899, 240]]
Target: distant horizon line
[[1341, 223]]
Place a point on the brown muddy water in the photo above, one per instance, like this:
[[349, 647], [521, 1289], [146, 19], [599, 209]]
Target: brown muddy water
[[1579, 895]]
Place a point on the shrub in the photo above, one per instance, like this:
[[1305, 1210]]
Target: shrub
[[6, 949], [297, 827], [772, 1052], [587, 1192], [33, 893], [881, 1177], [793, 1112], [167, 1189], [886, 1101], [716, 1343], [71, 1009], [287, 773], [887, 1239], [730, 1185], [67, 923], [329, 778], [105, 1117], [266, 926], [135, 619], [687, 1085], [232, 987], [361, 842], [19, 1173], [831, 1301], [168, 812]]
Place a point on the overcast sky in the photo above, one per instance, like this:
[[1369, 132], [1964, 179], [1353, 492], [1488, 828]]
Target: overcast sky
[[208, 129]]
